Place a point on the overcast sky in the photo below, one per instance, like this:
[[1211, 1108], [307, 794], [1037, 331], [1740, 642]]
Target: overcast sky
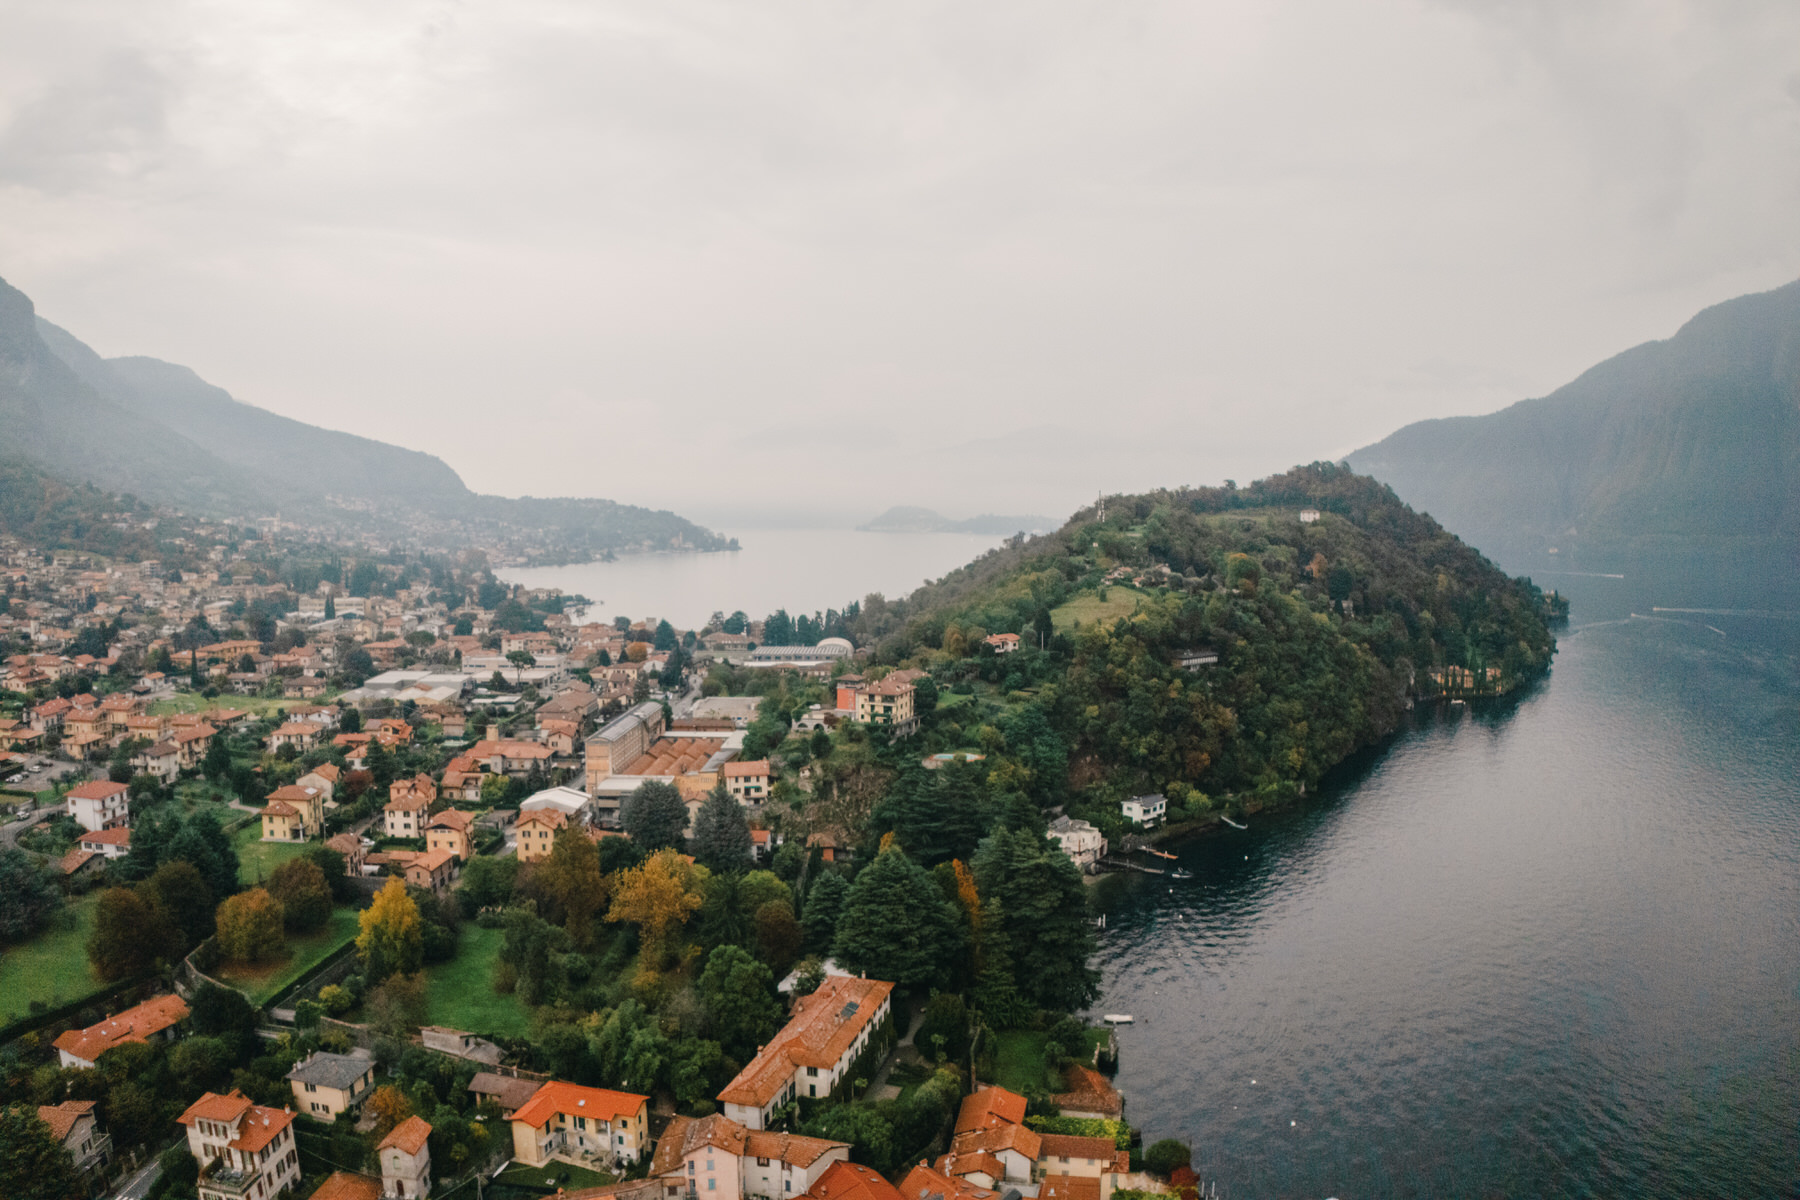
[[752, 259]]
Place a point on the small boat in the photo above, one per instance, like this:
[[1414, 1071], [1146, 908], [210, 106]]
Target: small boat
[[1231, 822], [1181, 873], [1117, 1018]]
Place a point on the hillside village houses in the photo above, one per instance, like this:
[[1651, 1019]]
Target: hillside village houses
[[811, 1054], [246, 1151], [581, 1125], [153, 1020]]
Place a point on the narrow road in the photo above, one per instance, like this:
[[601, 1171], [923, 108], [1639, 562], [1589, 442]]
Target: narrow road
[[9, 834], [139, 1185]]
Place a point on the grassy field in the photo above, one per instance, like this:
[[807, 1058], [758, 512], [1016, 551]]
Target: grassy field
[[259, 983], [1019, 1059], [1088, 607], [460, 993], [187, 702], [258, 859], [557, 1174], [51, 967]]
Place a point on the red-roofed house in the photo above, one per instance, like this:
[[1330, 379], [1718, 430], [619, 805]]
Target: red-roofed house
[[151, 1020], [245, 1151], [827, 1032], [98, 805], [748, 782], [852, 1181], [580, 1125], [1080, 1168], [406, 1159], [108, 843], [991, 1144], [74, 1125], [718, 1159], [924, 1183], [294, 813]]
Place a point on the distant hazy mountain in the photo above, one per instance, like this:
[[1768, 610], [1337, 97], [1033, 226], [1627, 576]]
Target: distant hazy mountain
[[905, 519], [1683, 453], [160, 432]]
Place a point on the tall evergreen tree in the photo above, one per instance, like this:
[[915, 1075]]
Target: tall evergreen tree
[[1044, 903], [655, 816], [824, 904], [896, 924], [721, 838]]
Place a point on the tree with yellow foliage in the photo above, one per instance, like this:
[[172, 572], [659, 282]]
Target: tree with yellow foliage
[[658, 897], [390, 1107], [391, 934]]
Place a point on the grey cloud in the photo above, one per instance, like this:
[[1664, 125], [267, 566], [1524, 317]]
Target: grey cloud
[[105, 125]]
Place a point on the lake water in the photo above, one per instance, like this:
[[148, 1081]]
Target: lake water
[[1546, 949], [801, 570]]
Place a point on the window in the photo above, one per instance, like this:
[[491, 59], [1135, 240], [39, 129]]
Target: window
[[762, 1162], [712, 1185]]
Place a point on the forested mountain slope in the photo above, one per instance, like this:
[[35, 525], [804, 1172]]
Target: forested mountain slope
[[1324, 632], [1685, 448], [158, 431]]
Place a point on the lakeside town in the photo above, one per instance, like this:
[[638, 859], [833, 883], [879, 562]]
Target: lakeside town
[[411, 883]]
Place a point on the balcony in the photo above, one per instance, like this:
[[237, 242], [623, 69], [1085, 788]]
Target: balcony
[[227, 1181]]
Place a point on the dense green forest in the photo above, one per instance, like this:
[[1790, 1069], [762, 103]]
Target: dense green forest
[[1323, 631]]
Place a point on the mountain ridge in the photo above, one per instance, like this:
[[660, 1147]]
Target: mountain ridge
[[1684, 452], [905, 518], [158, 431]]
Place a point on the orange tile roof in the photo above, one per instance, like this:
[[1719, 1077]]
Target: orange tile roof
[[342, 1185], [136, 1024], [542, 816], [671, 1146], [1089, 1091], [106, 837], [852, 1181], [62, 1117], [408, 1136], [452, 818], [975, 1163], [578, 1101], [278, 808], [675, 756], [924, 1183], [739, 770], [214, 1107], [823, 1026], [293, 793], [96, 790], [990, 1105], [789, 1147], [1068, 1145], [1069, 1187]]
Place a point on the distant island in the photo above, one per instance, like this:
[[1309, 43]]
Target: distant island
[[907, 519]]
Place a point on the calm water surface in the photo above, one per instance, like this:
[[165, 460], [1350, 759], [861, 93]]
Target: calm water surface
[[801, 570], [1551, 948]]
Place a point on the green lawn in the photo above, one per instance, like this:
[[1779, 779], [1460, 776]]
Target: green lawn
[[187, 702], [1088, 607], [557, 1174], [460, 993], [304, 953], [258, 859], [51, 967], [1019, 1059]]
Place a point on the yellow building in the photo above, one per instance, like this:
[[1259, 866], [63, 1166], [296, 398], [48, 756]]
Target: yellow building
[[294, 814], [328, 1084], [449, 831], [581, 1125], [887, 702], [537, 833]]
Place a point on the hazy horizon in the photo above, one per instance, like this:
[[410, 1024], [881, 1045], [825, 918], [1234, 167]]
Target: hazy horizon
[[982, 260]]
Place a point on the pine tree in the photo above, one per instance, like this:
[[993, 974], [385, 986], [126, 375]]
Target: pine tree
[[721, 838], [896, 924], [824, 904]]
